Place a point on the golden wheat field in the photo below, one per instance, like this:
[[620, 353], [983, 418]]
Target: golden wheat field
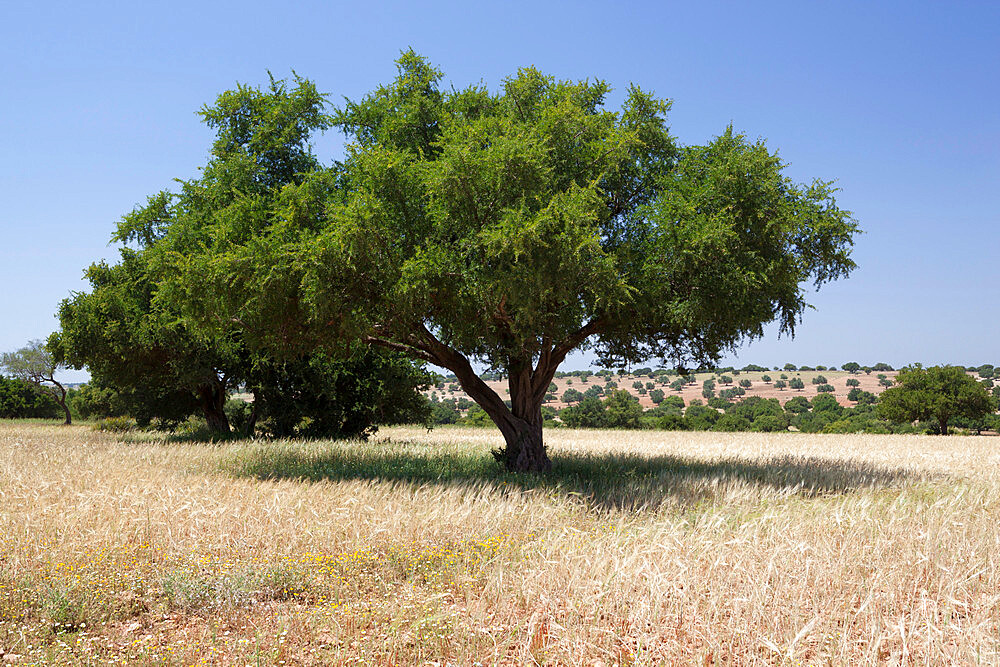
[[642, 548]]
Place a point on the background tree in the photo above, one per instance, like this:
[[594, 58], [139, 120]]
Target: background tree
[[938, 393], [780, 385], [20, 399], [853, 382], [852, 367], [589, 413], [512, 228], [35, 363], [572, 396], [135, 346], [622, 410], [797, 383], [656, 396]]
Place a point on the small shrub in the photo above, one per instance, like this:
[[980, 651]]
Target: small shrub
[[115, 425]]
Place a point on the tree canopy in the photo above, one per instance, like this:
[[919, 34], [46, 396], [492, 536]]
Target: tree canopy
[[506, 227], [938, 393]]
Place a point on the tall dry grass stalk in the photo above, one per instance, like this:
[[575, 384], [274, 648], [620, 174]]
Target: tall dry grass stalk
[[642, 548]]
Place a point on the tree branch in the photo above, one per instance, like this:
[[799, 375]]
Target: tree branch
[[414, 352]]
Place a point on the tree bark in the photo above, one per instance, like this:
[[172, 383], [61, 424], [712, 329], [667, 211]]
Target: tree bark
[[213, 401]]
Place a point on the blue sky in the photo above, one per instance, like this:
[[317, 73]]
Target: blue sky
[[898, 101]]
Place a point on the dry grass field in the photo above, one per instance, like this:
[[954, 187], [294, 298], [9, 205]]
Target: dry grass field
[[642, 548]]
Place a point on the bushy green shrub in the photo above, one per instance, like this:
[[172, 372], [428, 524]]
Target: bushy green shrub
[[731, 422], [115, 425], [768, 424]]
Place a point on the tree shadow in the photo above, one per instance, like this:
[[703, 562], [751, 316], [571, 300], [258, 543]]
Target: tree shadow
[[608, 481]]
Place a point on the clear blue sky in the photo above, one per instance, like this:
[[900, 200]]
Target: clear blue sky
[[898, 101]]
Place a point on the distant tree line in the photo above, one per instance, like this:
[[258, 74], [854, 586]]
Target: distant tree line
[[931, 400]]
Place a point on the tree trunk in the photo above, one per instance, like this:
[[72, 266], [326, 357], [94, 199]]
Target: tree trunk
[[213, 401], [943, 426], [60, 396], [521, 424], [525, 449], [254, 414]]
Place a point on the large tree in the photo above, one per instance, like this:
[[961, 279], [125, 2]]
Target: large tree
[[510, 228], [35, 363], [938, 393]]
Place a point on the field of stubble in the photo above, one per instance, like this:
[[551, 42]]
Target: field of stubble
[[642, 548]]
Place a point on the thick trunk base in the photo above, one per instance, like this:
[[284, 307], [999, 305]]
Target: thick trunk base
[[525, 450], [213, 401]]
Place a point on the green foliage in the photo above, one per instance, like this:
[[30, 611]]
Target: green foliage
[[756, 406], [674, 402], [766, 378], [476, 416], [861, 397], [826, 388], [719, 403], [780, 384], [324, 396], [20, 399], [589, 413], [622, 410], [768, 424], [731, 422], [115, 425], [797, 383], [444, 413], [701, 418], [797, 405], [36, 364], [726, 379], [746, 384], [819, 379], [656, 395], [826, 403], [938, 393], [853, 382], [851, 367], [572, 396]]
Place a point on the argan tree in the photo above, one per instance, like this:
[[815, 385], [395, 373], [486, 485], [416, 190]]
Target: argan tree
[[510, 228], [938, 394]]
